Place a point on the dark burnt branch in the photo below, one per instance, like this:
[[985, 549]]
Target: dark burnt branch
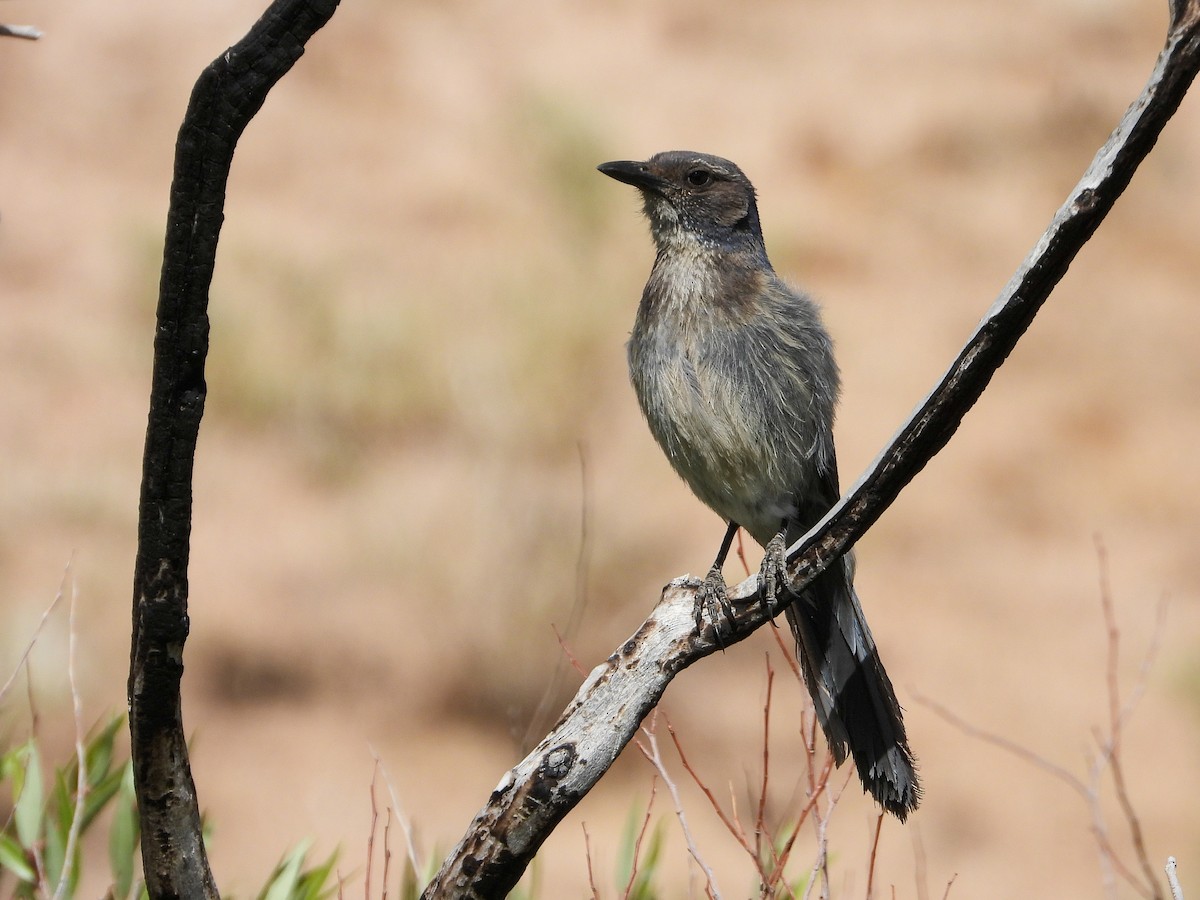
[[533, 798], [226, 97], [937, 418]]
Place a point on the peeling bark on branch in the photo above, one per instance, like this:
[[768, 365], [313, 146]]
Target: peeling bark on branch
[[226, 97], [535, 796]]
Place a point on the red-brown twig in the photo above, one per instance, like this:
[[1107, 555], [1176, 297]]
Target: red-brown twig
[[1088, 793], [821, 825], [637, 846], [920, 869], [733, 827], [741, 551], [1108, 755], [874, 854], [566, 649], [387, 852], [36, 631], [587, 852], [789, 654], [371, 835], [817, 775], [1116, 715], [81, 775], [760, 815], [805, 811]]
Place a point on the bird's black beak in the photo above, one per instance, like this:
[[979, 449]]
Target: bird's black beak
[[636, 173]]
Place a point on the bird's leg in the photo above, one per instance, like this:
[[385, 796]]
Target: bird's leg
[[712, 594], [773, 575]]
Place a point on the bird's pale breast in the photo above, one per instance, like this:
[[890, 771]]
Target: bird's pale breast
[[721, 393]]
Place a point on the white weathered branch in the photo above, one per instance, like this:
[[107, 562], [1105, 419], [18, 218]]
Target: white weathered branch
[[28, 32], [1173, 879], [534, 797]]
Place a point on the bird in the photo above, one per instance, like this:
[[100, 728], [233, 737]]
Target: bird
[[735, 374]]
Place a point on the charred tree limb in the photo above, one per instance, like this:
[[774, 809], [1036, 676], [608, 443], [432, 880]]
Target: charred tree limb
[[226, 97]]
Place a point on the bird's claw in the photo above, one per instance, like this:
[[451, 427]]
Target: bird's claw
[[712, 602], [773, 574]]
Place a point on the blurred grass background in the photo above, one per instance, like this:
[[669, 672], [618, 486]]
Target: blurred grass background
[[418, 395]]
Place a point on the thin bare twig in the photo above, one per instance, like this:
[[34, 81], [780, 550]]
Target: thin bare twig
[[920, 869], [652, 753], [1108, 755], [81, 778], [35, 717], [1173, 879], [1116, 720], [1034, 759], [371, 836], [387, 852], [789, 655], [819, 874], [1088, 792], [733, 826], [398, 811], [567, 652], [637, 846], [741, 552], [760, 814], [817, 776], [541, 713], [874, 854], [733, 823], [810, 805], [587, 852], [62, 587]]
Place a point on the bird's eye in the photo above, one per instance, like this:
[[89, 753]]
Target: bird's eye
[[698, 177]]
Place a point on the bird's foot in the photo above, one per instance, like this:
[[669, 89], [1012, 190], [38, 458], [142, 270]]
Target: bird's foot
[[773, 575], [712, 603]]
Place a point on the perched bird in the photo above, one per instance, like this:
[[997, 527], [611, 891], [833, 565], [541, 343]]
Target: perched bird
[[735, 374]]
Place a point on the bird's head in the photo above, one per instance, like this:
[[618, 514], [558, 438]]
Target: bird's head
[[691, 195]]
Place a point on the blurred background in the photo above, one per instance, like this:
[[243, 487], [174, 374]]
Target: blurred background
[[421, 451]]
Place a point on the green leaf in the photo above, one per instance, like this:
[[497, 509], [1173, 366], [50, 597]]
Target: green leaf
[[28, 789], [409, 889], [98, 754], [62, 802], [625, 851], [413, 878], [123, 835], [283, 881], [54, 850], [9, 766], [57, 829], [642, 889], [646, 867], [99, 795], [312, 882], [12, 857]]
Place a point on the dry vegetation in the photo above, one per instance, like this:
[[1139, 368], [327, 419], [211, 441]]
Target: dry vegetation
[[421, 301]]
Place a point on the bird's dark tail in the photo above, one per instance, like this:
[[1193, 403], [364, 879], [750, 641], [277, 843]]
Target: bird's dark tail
[[853, 696]]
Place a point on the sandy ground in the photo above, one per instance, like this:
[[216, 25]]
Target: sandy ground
[[417, 395]]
